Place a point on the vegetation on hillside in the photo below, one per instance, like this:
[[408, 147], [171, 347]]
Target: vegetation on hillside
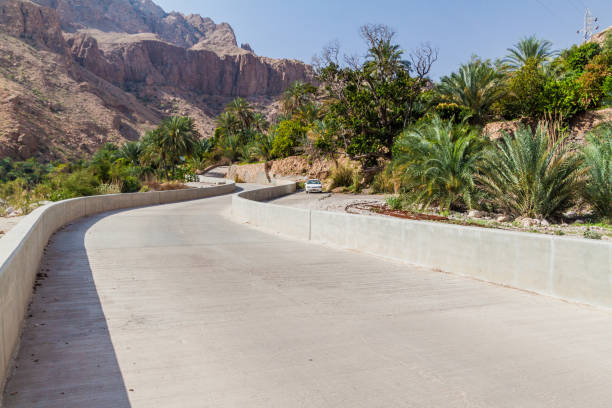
[[411, 136]]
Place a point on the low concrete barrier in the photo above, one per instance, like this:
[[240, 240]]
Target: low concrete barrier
[[286, 220], [22, 247], [568, 268]]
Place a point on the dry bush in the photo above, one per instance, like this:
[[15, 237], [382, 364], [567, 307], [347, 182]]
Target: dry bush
[[167, 186]]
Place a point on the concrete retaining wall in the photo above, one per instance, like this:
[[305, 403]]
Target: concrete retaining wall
[[286, 220], [568, 268], [22, 247]]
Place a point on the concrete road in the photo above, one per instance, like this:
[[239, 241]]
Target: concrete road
[[177, 306]]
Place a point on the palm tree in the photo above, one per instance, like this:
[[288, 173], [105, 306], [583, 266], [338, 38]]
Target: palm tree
[[597, 155], [528, 176], [202, 147], [243, 111], [475, 86], [262, 146], [296, 96], [131, 152], [177, 137], [227, 123], [438, 163], [529, 48], [260, 124]]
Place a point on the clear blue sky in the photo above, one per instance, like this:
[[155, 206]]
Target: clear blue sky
[[291, 29]]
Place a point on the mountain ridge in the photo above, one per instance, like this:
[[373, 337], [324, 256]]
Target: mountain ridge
[[65, 89]]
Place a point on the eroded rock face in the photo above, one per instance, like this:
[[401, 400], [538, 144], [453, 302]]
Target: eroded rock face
[[159, 63], [35, 24], [87, 72], [140, 16]]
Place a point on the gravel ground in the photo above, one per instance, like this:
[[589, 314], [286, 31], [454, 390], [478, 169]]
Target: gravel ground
[[339, 202], [327, 201]]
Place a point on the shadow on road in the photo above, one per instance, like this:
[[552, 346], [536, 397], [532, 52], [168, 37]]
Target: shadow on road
[[66, 357]]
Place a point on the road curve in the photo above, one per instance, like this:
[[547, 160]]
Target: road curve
[[178, 306]]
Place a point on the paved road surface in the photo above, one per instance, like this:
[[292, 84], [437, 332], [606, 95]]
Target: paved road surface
[[177, 306]]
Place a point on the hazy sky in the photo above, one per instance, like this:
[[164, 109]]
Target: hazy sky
[[289, 29]]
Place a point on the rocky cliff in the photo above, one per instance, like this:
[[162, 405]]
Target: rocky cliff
[[75, 74]]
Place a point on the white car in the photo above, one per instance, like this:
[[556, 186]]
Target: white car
[[313, 186]]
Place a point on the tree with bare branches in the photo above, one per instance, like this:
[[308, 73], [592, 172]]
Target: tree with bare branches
[[374, 98]]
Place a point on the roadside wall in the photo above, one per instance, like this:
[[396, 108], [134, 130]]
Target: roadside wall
[[22, 247], [568, 268]]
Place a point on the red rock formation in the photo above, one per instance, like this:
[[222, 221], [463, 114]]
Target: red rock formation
[[35, 24]]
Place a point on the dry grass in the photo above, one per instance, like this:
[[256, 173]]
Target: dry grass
[[167, 186]]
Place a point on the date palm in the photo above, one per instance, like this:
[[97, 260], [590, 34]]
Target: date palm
[[597, 155], [438, 162], [475, 86], [227, 124], [527, 175], [131, 152], [177, 137], [529, 48], [243, 111], [298, 95]]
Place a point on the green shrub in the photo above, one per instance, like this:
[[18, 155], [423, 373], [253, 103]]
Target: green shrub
[[130, 185], [563, 97], [395, 202], [607, 91], [81, 183], [590, 234], [578, 56], [526, 175], [342, 176], [597, 155], [287, 137]]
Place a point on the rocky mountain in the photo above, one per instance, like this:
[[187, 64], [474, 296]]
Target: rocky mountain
[[75, 74]]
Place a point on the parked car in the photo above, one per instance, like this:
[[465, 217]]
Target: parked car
[[313, 186]]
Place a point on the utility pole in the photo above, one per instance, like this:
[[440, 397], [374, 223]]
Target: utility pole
[[590, 25]]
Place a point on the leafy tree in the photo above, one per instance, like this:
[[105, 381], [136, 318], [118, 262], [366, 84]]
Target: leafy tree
[[476, 86], [528, 175], [578, 56], [374, 100], [592, 81], [438, 163], [525, 92], [529, 49]]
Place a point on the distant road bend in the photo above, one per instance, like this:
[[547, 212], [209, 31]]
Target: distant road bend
[[179, 306]]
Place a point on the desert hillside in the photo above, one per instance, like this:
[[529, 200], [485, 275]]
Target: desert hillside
[[77, 74]]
